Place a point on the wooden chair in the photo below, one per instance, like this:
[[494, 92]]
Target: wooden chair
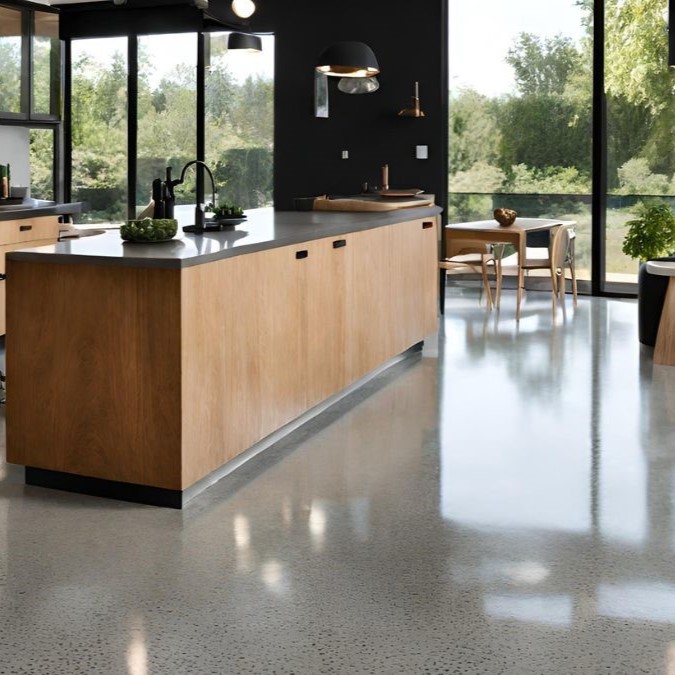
[[560, 257], [477, 256]]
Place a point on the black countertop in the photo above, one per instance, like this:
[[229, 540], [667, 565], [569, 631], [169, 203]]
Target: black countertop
[[265, 229], [37, 207]]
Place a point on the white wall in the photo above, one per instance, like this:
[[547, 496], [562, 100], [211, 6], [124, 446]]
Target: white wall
[[15, 151]]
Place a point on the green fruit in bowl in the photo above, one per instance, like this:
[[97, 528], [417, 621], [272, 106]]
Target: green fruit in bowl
[[226, 210], [149, 229]]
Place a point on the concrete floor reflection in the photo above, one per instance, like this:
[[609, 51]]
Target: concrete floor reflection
[[501, 504]]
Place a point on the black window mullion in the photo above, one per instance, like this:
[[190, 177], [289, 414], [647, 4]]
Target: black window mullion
[[599, 202], [201, 122], [132, 123], [67, 121]]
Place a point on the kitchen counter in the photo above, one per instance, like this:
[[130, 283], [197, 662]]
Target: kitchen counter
[[39, 208], [264, 229], [146, 372]]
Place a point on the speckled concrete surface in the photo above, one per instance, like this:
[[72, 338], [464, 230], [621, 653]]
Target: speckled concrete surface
[[504, 504]]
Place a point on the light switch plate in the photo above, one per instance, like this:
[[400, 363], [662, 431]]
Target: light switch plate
[[345, 154], [422, 152]]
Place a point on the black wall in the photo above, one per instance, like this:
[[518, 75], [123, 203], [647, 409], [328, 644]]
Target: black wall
[[410, 41]]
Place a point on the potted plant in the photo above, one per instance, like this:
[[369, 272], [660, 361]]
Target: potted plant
[[650, 236]]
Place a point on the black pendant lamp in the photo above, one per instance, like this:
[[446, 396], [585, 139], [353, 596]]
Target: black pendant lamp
[[245, 42], [349, 59], [671, 33]]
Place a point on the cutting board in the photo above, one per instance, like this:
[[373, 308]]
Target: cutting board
[[369, 204]]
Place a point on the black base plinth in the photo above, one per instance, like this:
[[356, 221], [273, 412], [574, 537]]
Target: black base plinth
[[98, 487]]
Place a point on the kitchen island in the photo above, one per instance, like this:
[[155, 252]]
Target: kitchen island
[[144, 371]]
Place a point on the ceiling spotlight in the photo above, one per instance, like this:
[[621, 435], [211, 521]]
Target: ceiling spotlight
[[243, 8]]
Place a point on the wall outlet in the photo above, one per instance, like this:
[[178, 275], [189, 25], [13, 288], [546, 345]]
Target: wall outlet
[[345, 154], [422, 152]]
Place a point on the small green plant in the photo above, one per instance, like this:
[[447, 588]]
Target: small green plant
[[226, 210], [651, 234]]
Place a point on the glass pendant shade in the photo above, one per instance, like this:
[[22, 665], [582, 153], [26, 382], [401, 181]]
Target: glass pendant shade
[[358, 85], [243, 8], [348, 59], [244, 41]]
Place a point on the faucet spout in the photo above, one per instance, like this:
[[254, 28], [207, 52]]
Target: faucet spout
[[200, 209]]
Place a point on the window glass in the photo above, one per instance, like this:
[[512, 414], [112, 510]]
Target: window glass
[[521, 113], [42, 164], [240, 121], [10, 60], [99, 128], [46, 64], [167, 115], [640, 120]]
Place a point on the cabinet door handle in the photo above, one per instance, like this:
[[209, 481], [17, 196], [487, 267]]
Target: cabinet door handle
[[339, 243], [299, 255], [427, 225], [25, 228]]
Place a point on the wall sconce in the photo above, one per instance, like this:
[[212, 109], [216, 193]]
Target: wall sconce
[[243, 8], [414, 110], [348, 59], [244, 42]]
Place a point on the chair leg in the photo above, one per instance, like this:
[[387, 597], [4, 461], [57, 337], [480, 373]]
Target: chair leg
[[498, 274], [441, 291], [574, 281], [486, 283]]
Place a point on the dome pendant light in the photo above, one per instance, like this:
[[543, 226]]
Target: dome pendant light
[[244, 42], [348, 59], [243, 8]]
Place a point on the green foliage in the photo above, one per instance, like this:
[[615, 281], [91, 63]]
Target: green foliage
[[474, 135], [549, 180], [481, 177], [10, 74], [635, 178], [543, 67], [652, 234], [244, 176], [542, 131]]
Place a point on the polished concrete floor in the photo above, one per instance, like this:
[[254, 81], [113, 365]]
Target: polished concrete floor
[[504, 503]]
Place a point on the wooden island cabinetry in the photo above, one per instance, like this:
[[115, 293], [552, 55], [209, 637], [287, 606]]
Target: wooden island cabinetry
[[16, 234], [140, 380]]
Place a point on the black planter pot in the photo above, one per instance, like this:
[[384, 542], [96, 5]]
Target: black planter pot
[[651, 296]]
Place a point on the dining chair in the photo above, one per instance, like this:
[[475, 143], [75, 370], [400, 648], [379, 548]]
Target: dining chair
[[478, 256], [560, 257]]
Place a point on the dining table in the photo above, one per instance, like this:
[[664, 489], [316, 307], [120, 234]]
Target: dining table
[[491, 232]]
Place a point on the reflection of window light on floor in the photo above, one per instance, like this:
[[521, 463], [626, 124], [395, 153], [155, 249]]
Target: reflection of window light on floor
[[552, 610], [317, 521], [640, 601], [272, 575], [359, 510], [137, 653], [242, 531]]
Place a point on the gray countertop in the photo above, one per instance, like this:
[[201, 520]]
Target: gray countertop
[[264, 229], [37, 207]]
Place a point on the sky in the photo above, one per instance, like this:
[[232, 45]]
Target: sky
[[481, 33], [166, 51]]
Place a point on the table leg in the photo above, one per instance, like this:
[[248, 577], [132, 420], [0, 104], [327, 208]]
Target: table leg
[[521, 283]]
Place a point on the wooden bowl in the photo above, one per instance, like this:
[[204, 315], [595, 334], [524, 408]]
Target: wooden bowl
[[505, 217]]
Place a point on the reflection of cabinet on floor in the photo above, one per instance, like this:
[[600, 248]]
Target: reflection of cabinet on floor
[[24, 233]]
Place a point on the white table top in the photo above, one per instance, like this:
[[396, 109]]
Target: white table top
[[661, 267]]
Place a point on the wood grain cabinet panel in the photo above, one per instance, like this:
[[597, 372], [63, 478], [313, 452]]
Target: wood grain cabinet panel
[[25, 233], [159, 377]]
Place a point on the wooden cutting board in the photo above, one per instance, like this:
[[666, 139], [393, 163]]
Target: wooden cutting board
[[379, 204]]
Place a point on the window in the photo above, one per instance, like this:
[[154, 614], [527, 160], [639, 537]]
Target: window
[[99, 128], [521, 112], [240, 121]]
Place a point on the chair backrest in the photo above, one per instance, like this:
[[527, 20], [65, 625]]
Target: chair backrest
[[454, 246], [560, 244]]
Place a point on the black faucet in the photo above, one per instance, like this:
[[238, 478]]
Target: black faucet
[[165, 198]]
